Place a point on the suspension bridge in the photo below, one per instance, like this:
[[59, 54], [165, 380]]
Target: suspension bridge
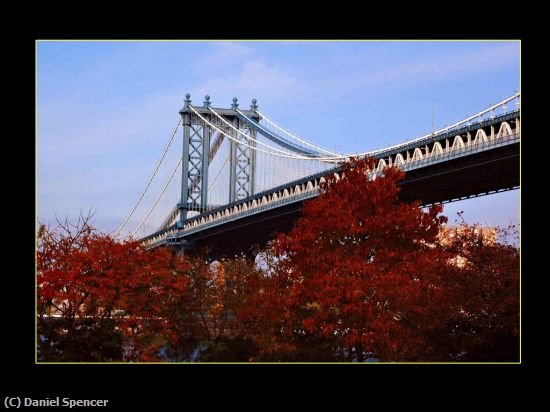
[[239, 176]]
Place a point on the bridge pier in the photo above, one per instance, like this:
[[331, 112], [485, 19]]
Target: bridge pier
[[197, 154], [186, 122], [242, 159]]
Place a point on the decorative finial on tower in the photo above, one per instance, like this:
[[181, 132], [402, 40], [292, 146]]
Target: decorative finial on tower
[[235, 105], [254, 106], [187, 100], [206, 101]]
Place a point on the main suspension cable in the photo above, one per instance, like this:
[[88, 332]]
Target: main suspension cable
[[252, 147], [150, 180], [263, 116], [158, 197], [250, 137]]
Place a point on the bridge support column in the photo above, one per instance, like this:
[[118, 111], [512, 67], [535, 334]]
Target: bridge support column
[[233, 162], [196, 151], [252, 165], [206, 133], [183, 205], [242, 160], [253, 108]]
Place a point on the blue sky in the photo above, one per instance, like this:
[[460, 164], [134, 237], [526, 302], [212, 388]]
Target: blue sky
[[106, 109]]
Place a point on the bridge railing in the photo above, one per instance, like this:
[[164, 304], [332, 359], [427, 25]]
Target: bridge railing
[[451, 133]]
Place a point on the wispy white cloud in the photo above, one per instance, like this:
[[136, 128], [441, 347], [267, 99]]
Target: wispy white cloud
[[255, 78], [244, 72], [367, 77], [222, 55], [81, 130]]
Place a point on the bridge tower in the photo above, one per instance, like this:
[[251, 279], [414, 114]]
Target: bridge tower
[[200, 144]]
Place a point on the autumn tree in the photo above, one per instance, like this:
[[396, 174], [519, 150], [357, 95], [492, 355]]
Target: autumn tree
[[483, 296], [222, 297], [359, 269], [274, 331], [100, 299], [363, 272], [104, 300]]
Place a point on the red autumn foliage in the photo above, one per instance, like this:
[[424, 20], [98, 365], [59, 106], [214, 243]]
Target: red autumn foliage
[[220, 295], [104, 300], [363, 271], [358, 270], [91, 286], [482, 318]]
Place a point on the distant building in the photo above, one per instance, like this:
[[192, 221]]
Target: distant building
[[448, 233]]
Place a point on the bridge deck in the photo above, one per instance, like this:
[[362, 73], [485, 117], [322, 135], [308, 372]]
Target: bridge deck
[[474, 175], [475, 168]]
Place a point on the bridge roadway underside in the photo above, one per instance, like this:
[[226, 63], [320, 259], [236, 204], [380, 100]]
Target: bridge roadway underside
[[471, 175]]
